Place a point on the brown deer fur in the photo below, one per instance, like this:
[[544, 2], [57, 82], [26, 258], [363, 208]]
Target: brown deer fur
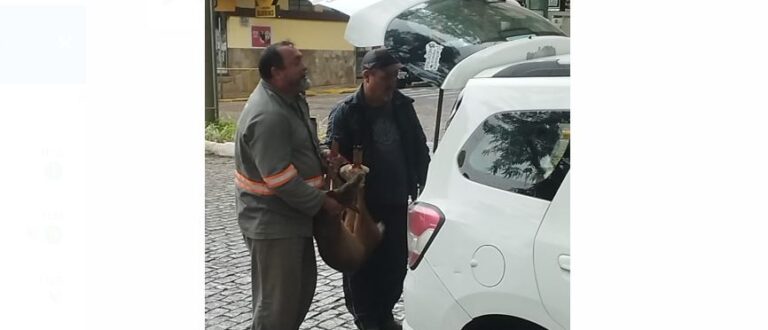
[[344, 242]]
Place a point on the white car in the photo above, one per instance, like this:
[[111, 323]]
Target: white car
[[489, 236]]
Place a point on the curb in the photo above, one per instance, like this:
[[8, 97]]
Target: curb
[[311, 92], [331, 91], [241, 99], [226, 149]]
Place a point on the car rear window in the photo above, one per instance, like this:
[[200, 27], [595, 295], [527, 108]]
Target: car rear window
[[454, 30], [525, 152]]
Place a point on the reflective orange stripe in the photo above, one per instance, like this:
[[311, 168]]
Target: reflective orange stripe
[[252, 186], [279, 179], [247, 180], [262, 188]]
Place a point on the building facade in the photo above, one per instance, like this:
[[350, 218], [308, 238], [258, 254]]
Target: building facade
[[245, 27]]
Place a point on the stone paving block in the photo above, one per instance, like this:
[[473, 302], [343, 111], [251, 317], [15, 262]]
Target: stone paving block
[[310, 323], [339, 305], [235, 298], [331, 324], [227, 324], [211, 305], [216, 312], [328, 301], [242, 303], [242, 318], [238, 311], [323, 295], [327, 315], [211, 292], [228, 292], [217, 320]]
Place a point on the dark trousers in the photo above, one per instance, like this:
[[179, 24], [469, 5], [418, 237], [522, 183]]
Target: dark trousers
[[372, 292], [283, 280]]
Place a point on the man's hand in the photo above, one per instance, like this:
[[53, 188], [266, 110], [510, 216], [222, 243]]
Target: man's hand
[[331, 206], [348, 171], [336, 162], [333, 163], [325, 154]]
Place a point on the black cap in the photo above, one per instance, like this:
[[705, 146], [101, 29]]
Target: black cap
[[379, 58]]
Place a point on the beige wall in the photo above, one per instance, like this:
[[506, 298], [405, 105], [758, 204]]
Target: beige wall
[[246, 3], [329, 58], [326, 67], [316, 35]]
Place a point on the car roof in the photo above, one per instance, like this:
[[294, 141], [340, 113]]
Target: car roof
[[505, 54], [485, 96], [551, 66]]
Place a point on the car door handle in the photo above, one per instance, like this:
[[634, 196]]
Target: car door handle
[[565, 262]]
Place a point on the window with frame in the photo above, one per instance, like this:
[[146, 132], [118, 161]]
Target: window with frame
[[525, 152]]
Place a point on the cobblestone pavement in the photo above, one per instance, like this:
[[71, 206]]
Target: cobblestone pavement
[[227, 265]]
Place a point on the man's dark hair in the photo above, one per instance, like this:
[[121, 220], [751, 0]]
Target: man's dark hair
[[271, 58]]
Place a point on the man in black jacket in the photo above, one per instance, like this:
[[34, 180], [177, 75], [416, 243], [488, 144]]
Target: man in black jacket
[[383, 121]]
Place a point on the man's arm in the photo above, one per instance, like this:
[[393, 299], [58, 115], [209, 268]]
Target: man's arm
[[334, 133], [271, 149], [334, 129]]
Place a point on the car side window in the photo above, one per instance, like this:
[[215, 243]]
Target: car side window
[[526, 152]]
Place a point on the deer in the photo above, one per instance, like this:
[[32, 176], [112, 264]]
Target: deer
[[346, 241]]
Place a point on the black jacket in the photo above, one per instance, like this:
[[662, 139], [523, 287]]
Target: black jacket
[[348, 125]]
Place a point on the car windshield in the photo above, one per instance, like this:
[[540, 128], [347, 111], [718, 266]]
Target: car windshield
[[432, 37]]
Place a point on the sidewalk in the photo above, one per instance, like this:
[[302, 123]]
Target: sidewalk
[[315, 91], [320, 104], [227, 265]]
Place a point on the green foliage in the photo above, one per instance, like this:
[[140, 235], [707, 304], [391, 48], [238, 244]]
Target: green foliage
[[221, 131], [224, 131]]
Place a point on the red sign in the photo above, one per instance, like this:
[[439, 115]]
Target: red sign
[[261, 36]]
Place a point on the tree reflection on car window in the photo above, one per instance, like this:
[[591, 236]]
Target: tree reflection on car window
[[526, 152]]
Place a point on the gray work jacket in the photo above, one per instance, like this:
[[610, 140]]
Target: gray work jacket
[[278, 174]]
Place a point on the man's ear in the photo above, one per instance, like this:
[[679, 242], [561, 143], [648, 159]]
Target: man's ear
[[366, 73]]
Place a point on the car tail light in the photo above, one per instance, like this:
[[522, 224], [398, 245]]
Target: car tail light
[[424, 221]]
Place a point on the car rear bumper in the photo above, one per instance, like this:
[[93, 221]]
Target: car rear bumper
[[428, 304]]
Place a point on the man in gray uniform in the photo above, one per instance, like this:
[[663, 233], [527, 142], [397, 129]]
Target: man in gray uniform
[[279, 173]]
